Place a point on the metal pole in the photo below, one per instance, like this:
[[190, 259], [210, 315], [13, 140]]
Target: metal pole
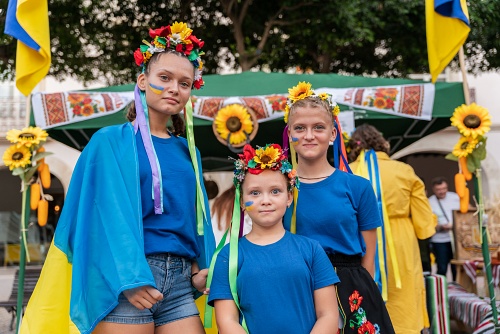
[[25, 213]]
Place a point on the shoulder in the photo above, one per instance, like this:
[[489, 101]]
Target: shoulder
[[302, 241], [113, 130], [454, 196]]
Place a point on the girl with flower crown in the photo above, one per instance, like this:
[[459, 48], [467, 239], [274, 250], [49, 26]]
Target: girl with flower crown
[[135, 224], [271, 281], [336, 208]]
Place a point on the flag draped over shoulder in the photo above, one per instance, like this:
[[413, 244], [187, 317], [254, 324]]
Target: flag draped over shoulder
[[447, 25], [28, 22]]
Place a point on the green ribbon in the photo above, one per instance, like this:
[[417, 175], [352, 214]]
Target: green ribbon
[[200, 201], [207, 320], [233, 253]]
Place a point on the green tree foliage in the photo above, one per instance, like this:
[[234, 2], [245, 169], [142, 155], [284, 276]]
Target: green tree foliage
[[96, 39]]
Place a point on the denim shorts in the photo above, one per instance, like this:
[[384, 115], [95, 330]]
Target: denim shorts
[[172, 275]]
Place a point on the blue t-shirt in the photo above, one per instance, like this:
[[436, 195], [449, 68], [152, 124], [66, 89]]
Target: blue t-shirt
[[334, 211], [275, 283], [174, 231]]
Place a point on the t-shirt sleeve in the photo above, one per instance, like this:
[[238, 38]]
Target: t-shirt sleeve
[[324, 274], [368, 213], [219, 289]]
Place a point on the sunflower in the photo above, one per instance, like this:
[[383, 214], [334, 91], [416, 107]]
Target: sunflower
[[266, 156], [299, 92], [464, 147], [471, 120], [180, 32], [16, 157], [234, 122], [27, 136]]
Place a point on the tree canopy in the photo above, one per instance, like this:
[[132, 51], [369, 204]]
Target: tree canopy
[[96, 39]]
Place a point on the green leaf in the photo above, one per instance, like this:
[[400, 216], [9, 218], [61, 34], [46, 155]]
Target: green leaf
[[18, 171], [41, 155], [473, 163], [480, 152], [29, 173], [451, 157]]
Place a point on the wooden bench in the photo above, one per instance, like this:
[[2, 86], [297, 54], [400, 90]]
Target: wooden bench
[[31, 276]]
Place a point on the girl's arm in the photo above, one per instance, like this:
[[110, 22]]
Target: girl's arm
[[327, 311], [368, 260], [199, 278], [227, 317]]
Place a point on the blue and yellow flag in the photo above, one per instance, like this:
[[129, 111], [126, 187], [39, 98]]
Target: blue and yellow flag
[[447, 25], [28, 22]]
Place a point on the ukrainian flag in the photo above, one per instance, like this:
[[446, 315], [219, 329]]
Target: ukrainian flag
[[447, 25], [28, 22]]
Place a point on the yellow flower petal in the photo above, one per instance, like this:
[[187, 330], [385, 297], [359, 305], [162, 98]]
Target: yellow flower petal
[[234, 120], [464, 146], [30, 136], [471, 120], [15, 157]]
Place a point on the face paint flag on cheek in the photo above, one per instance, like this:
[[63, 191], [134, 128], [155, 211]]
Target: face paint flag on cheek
[[156, 89], [295, 141], [249, 206]]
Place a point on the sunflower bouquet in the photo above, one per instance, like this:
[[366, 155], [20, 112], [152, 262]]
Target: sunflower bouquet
[[25, 157], [473, 122]]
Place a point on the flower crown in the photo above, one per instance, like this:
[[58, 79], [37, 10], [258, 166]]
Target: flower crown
[[177, 37], [302, 91], [270, 156]]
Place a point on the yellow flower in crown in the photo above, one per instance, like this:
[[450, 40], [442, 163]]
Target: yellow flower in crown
[[17, 156], [471, 120], [464, 147], [267, 156], [234, 122], [30, 136], [180, 33], [299, 92]]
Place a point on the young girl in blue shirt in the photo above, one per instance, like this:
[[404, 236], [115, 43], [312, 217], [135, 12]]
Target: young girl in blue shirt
[[271, 281], [336, 208]]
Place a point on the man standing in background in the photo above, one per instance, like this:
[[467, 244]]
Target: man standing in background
[[443, 203]]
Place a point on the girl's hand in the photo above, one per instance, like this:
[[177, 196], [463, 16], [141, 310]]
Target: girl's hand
[[143, 297], [199, 281]]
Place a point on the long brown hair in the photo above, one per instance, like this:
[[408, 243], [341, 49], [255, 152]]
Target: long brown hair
[[223, 208], [366, 137], [177, 127]]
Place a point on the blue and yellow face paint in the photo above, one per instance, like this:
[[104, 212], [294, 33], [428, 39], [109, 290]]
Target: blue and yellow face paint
[[295, 141], [249, 206], [156, 89]]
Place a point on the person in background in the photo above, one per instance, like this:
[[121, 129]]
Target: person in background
[[410, 219], [443, 203]]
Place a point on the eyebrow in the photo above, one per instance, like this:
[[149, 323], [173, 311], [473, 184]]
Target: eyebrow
[[173, 74]]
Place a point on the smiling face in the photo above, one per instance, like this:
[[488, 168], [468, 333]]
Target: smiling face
[[310, 129], [167, 83], [265, 198]]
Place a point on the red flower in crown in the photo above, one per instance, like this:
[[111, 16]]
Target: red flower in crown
[[184, 48], [160, 32], [139, 57], [248, 154], [198, 43], [198, 83]]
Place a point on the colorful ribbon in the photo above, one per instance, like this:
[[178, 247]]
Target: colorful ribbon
[[368, 168]]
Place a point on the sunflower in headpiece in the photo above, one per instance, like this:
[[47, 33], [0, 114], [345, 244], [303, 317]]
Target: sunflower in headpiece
[[270, 157], [302, 91], [464, 147], [177, 37], [234, 122], [31, 136], [16, 157], [471, 120]]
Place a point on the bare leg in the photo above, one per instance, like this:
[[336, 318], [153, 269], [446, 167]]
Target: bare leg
[[114, 328], [191, 325]]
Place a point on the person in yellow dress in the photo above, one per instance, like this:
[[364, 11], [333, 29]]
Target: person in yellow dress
[[410, 218]]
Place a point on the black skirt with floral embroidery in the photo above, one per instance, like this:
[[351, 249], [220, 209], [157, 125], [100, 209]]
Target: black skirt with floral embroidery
[[360, 303]]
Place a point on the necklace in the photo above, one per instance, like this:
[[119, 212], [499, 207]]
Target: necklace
[[313, 178]]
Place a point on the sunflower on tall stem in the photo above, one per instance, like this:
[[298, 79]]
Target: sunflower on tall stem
[[25, 157], [473, 122]]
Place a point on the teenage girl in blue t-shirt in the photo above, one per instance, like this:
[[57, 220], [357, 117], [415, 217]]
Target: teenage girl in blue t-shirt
[[284, 283], [168, 185], [337, 209]]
